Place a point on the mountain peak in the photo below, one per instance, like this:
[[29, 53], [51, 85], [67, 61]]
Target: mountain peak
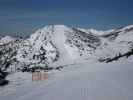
[[129, 26], [60, 45], [55, 26], [59, 26]]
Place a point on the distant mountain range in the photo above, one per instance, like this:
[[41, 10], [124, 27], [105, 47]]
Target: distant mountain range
[[56, 45]]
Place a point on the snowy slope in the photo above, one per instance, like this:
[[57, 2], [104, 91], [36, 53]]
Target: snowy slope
[[78, 51], [86, 81], [118, 41], [6, 39], [61, 45], [55, 45]]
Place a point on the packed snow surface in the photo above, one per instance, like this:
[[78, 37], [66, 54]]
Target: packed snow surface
[[86, 81]]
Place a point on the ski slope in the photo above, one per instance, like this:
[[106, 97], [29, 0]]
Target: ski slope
[[86, 81], [58, 39]]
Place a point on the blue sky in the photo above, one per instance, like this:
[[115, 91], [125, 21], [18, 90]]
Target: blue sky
[[25, 16]]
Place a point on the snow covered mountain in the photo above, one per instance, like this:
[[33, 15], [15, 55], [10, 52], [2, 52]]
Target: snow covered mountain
[[118, 41], [59, 45]]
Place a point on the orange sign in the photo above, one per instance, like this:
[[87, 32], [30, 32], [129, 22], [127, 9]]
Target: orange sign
[[38, 76]]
